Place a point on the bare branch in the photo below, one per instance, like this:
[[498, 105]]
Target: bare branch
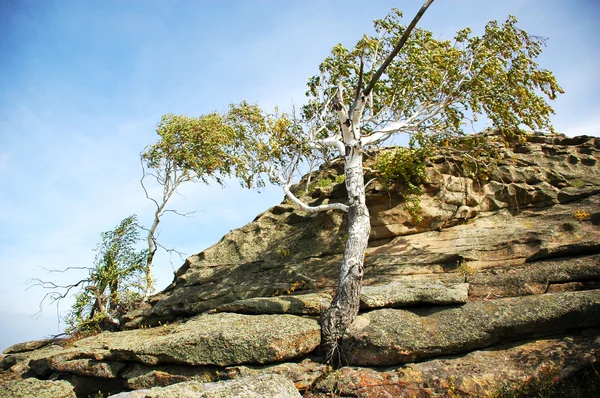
[[189, 214], [144, 174], [63, 270], [332, 143], [311, 209]]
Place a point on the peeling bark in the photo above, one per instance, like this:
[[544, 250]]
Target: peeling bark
[[346, 302]]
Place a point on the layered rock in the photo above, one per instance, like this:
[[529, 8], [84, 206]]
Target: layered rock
[[390, 337], [528, 366], [528, 211], [496, 286]]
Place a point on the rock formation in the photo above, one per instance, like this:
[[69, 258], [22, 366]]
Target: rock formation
[[495, 288]]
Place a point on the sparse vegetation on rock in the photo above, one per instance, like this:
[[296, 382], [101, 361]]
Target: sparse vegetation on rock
[[526, 318], [493, 289]]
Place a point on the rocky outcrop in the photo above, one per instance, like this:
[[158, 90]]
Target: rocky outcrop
[[529, 366], [540, 203], [390, 337], [495, 286]]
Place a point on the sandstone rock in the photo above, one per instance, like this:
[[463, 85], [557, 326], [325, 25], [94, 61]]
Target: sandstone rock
[[144, 377], [85, 367], [265, 386], [568, 273], [402, 294], [388, 337], [477, 374], [28, 346], [304, 304], [523, 214], [524, 242], [10, 360], [215, 339], [303, 374], [18, 363], [28, 388]]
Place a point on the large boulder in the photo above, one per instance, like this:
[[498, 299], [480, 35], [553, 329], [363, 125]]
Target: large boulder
[[522, 369], [389, 337], [214, 339]]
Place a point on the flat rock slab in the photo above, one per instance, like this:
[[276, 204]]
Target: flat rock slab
[[264, 386], [28, 388], [305, 304], [28, 346], [485, 373], [403, 294], [390, 336], [214, 339]]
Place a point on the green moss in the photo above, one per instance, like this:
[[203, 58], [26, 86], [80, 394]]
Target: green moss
[[577, 183]]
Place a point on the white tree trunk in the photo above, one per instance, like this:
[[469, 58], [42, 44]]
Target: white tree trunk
[[345, 304]]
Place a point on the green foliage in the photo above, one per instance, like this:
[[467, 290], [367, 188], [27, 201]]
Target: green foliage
[[580, 215], [577, 183], [436, 86], [194, 144], [405, 166], [465, 269], [324, 183], [244, 142], [114, 283], [327, 182], [340, 179], [293, 287], [475, 155]]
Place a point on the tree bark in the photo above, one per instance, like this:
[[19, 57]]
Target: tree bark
[[152, 251], [345, 304]]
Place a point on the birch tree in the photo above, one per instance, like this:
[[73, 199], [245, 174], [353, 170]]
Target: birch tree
[[171, 166], [401, 81], [113, 285], [404, 81]]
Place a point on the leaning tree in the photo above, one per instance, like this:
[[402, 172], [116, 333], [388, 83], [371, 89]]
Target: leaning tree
[[403, 80], [171, 166]]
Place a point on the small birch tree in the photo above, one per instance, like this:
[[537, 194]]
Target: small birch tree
[[113, 285], [402, 81], [171, 166]]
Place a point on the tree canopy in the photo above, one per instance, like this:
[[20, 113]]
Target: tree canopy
[[403, 80], [434, 87]]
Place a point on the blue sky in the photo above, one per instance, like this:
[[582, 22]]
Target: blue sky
[[84, 83]]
